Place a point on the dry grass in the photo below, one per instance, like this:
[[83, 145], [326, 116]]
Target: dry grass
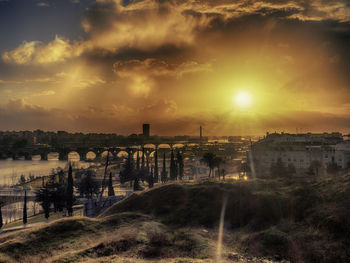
[[301, 220]]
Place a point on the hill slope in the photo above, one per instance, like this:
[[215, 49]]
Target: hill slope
[[301, 220]]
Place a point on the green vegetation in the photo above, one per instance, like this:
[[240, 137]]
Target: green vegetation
[[300, 220]]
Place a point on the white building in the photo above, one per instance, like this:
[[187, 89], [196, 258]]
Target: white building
[[300, 151]]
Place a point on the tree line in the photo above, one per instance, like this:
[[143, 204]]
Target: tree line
[[143, 170]]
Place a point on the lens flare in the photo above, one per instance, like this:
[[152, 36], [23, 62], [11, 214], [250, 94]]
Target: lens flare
[[243, 99]]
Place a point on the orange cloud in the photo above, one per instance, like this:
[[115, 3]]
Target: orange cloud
[[149, 24], [142, 74], [36, 52]]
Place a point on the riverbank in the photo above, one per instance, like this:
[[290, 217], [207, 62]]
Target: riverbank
[[11, 170]]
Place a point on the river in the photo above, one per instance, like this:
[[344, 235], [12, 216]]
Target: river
[[11, 170]]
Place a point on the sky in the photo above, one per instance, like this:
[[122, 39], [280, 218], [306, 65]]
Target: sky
[[235, 67]]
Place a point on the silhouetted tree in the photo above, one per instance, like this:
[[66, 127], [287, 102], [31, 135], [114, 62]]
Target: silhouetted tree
[[137, 186], [143, 158], [138, 161], [244, 168], [70, 193], [1, 222], [223, 173], [110, 186], [88, 186], [127, 174], [57, 195], [180, 163], [209, 159], [156, 166], [22, 179], [31, 177], [25, 208], [52, 177], [147, 163], [172, 166], [164, 175], [217, 163], [176, 170], [43, 197], [150, 179], [60, 176]]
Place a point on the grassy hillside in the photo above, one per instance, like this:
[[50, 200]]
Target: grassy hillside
[[301, 220]]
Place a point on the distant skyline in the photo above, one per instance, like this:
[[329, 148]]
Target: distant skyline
[[235, 67]]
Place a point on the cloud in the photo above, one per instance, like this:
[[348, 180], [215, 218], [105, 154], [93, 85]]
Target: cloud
[[155, 67], [85, 82], [177, 64], [46, 93], [121, 119], [43, 4], [36, 52], [19, 105], [143, 74], [113, 25]]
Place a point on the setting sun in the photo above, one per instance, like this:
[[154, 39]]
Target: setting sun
[[243, 99]]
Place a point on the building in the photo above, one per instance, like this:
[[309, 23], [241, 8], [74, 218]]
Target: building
[[300, 153], [146, 130]]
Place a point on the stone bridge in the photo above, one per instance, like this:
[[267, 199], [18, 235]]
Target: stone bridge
[[117, 151]]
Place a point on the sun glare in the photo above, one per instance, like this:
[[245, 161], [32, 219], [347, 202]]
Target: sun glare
[[243, 99]]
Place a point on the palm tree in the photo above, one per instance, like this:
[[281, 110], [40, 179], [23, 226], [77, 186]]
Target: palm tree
[[209, 159]]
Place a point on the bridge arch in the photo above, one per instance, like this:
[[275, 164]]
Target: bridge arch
[[178, 146], [36, 157], [149, 146], [90, 155], [73, 156], [51, 156], [164, 146], [122, 154]]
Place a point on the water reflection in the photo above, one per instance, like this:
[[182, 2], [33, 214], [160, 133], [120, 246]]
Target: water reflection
[[13, 212], [10, 170]]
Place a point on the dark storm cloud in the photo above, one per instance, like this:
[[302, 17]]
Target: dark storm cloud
[[167, 52], [123, 28]]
